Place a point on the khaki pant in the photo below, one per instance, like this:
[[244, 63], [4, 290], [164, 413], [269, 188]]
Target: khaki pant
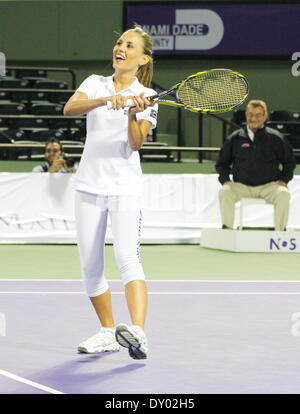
[[272, 192]]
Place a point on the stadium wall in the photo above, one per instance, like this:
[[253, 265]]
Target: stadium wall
[[81, 34]]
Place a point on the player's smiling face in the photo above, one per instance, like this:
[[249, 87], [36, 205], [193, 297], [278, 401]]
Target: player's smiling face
[[128, 53]]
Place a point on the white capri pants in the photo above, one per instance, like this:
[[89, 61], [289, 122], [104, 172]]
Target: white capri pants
[[91, 213]]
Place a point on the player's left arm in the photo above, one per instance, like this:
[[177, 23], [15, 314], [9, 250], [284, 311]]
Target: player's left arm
[[138, 129]]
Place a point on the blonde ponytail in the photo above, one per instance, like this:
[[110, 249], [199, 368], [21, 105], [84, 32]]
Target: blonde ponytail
[[145, 72]]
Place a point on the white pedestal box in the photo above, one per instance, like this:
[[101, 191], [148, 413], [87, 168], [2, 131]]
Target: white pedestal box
[[251, 240]]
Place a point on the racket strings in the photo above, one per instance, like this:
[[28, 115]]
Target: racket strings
[[215, 91]]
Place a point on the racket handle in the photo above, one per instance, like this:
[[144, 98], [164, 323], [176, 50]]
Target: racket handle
[[129, 103]]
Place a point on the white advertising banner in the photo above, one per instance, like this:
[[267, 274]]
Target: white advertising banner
[[39, 208]]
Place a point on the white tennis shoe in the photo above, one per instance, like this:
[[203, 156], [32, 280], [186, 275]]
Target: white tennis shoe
[[134, 338], [103, 341]]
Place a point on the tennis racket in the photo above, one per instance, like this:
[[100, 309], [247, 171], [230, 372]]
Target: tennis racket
[[215, 90]]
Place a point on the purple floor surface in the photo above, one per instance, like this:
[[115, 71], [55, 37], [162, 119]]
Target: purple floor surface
[[232, 338]]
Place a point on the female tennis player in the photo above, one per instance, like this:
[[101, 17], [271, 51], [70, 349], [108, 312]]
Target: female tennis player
[[108, 181]]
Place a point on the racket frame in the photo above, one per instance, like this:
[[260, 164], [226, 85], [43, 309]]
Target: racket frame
[[178, 103]]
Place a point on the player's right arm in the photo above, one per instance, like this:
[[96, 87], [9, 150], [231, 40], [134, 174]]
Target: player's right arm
[[79, 104]]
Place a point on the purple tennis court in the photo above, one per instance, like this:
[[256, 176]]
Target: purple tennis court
[[204, 337]]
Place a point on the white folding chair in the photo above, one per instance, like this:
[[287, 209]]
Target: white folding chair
[[245, 202]]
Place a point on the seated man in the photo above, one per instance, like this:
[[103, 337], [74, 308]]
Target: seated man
[[56, 161], [255, 152]]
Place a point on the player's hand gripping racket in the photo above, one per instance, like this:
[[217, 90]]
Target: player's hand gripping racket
[[215, 90]]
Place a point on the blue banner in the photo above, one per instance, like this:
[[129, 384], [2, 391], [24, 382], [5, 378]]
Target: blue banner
[[218, 29]]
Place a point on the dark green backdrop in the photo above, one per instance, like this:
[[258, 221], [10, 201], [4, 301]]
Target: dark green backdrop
[[81, 34]]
